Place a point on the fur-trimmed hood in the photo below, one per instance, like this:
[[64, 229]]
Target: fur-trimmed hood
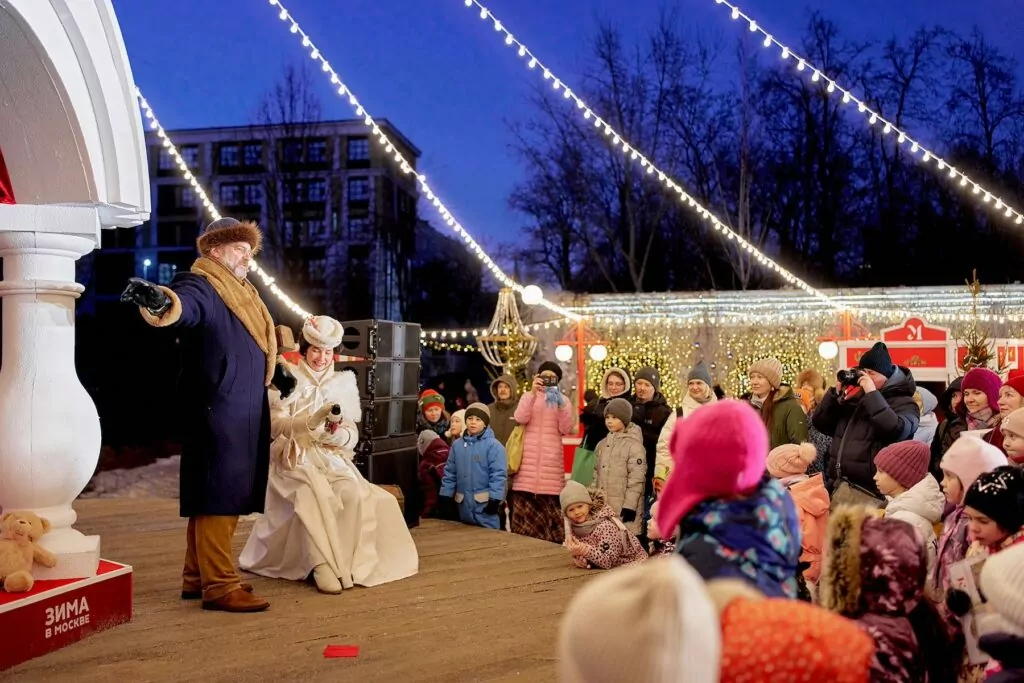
[[872, 565]]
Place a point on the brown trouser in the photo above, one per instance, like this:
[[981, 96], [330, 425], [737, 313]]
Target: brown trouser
[[208, 563]]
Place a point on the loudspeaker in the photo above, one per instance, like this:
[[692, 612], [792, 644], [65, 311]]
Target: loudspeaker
[[394, 462], [374, 339], [390, 417], [384, 378]]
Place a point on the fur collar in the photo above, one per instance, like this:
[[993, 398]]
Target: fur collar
[[839, 587]]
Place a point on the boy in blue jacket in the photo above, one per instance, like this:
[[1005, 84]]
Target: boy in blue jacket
[[476, 471]]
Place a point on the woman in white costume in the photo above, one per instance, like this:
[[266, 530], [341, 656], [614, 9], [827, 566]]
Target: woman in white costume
[[321, 515]]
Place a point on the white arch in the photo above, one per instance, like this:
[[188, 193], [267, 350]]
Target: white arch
[[70, 128]]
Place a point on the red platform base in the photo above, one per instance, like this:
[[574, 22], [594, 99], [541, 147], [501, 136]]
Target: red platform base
[[55, 614]]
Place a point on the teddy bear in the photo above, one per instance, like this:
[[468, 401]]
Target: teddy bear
[[18, 533]]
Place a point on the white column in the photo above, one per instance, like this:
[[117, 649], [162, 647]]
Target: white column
[[49, 427]]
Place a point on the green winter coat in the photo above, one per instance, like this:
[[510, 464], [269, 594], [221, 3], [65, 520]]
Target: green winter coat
[[789, 422]]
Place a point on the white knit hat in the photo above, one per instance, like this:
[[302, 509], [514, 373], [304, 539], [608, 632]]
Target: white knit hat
[[323, 331], [1002, 583], [652, 622]]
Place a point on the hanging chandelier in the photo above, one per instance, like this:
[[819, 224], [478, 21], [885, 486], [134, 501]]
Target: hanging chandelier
[[506, 343]]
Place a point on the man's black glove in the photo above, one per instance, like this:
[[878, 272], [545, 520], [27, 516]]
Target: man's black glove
[[284, 381], [958, 602], [627, 515], [147, 295], [492, 507]]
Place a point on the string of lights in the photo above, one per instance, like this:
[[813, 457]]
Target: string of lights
[[626, 149], [208, 205], [531, 293], [875, 119]]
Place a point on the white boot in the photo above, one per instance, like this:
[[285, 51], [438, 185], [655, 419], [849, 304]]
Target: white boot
[[326, 581]]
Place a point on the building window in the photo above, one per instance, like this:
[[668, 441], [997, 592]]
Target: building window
[[186, 198], [165, 161], [165, 273], [317, 271], [359, 229], [316, 228], [252, 194], [252, 154], [229, 195], [292, 152], [316, 190], [358, 189], [190, 153], [316, 153], [289, 232], [229, 156], [358, 149]]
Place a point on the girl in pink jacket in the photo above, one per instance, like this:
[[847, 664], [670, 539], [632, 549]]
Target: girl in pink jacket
[[546, 415]]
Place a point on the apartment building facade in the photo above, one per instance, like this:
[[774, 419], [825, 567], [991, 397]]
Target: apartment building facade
[[338, 214]]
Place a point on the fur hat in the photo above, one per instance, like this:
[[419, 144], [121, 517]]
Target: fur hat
[[1002, 582], [651, 622], [224, 231], [877, 358], [999, 495], [650, 375], [620, 408], [481, 411], [770, 369], [323, 331], [699, 372], [574, 492], [871, 564], [551, 366], [905, 461], [789, 459], [425, 438], [431, 398], [985, 381], [969, 457], [720, 450], [1015, 380]]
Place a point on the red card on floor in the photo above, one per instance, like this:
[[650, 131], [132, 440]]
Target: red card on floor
[[332, 651]]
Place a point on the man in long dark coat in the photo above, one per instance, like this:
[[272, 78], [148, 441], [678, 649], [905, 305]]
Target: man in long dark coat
[[229, 358]]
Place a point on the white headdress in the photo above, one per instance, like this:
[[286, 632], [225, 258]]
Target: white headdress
[[323, 331]]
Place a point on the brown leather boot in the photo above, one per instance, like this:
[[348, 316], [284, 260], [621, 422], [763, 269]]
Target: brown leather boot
[[237, 601], [197, 595]]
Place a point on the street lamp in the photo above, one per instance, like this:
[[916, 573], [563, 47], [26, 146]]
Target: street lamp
[[146, 263]]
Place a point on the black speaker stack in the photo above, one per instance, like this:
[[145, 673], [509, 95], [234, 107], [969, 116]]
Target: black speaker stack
[[388, 375]]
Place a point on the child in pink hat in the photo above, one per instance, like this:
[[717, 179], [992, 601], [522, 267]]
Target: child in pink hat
[[731, 518], [788, 464]]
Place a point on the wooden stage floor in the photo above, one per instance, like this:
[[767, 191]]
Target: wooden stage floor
[[485, 606]]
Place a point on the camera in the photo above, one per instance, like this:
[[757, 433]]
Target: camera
[[849, 377], [549, 381]]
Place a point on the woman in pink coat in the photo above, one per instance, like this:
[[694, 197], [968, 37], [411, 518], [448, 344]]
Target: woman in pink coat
[[546, 415]]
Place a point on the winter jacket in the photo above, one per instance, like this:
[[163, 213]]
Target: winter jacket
[[789, 422], [862, 427], [822, 444], [929, 420], [592, 416], [951, 547], [543, 468], [503, 413], [474, 474], [610, 543], [662, 458], [651, 417], [1008, 650], [812, 503], [619, 469], [922, 506], [440, 427], [755, 538], [431, 472], [949, 429]]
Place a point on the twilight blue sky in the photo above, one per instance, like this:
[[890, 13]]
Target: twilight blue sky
[[443, 76]]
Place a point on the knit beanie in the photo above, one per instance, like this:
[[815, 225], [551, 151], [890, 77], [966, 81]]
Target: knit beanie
[[906, 462], [969, 457], [1015, 380], [718, 451], [652, 622], [770, 369], [423, 441], [574, 492], [551, 366], [878, 359], [789, 459], [999, 495], [1002, 583], [620, 408], [699, 371], [459, 416], [650, 375], [431, 398], [481, 411], [985, 381]]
